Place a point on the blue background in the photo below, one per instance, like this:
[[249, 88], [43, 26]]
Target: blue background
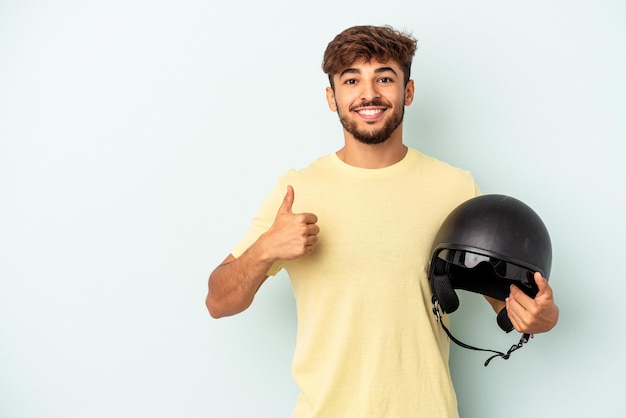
[[138, 138]]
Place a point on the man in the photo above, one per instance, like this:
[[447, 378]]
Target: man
[[354, 231]]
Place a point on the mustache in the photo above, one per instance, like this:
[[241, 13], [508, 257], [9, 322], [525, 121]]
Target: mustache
[[377, 102]]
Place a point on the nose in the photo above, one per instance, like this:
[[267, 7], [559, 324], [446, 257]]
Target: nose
[[369, 91]]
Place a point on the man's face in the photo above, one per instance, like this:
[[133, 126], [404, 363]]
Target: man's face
[[369, 98]]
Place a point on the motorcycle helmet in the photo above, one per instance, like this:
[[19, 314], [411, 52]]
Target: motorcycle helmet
[[486, 244]]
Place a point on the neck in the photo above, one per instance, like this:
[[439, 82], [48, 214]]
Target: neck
[[385, 154]]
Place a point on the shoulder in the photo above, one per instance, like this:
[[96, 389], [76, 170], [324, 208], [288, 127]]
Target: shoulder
[[443, 175], [432, 163], [318, 167]]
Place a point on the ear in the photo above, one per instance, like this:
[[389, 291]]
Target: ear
[[409, 93], [330, 98]]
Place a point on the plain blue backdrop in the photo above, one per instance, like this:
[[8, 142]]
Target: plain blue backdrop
[[138, 138]]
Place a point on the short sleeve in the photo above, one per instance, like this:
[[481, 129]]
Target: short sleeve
[[261, 222]]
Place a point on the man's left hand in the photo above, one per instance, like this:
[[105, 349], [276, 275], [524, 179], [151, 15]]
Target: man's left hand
[[533, 316]]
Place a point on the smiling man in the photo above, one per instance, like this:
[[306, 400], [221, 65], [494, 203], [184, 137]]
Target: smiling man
[[354, 231], [375, 93]]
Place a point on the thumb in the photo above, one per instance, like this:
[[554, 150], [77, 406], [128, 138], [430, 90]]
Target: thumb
[[542, 284], [285, 207]]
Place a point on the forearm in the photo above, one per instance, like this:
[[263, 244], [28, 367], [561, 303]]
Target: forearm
[[233, 284], [496, 304]]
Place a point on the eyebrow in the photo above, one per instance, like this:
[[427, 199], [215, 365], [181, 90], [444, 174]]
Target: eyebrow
[[376, 71]]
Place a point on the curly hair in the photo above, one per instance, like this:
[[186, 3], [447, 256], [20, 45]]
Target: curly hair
[[382, 43]]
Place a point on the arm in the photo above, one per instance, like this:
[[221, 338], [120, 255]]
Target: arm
[[530, 315], [233, 284], [496, 304]]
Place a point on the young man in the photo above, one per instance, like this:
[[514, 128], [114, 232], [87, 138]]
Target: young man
[[354, 231]]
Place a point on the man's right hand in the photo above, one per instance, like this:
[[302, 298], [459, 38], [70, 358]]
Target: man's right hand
[[292, 235], [233, 284]]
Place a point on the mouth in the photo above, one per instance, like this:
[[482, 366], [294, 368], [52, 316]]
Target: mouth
[[370, 114]]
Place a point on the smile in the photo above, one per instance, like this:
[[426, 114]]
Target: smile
[[370, 112]]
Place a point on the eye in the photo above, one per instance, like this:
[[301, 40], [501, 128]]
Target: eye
[[350, 81], [385, 80]]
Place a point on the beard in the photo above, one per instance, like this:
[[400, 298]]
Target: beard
[[373, 136]]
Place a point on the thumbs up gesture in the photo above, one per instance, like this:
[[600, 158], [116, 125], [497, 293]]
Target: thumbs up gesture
[[292, 235], [530, 315]]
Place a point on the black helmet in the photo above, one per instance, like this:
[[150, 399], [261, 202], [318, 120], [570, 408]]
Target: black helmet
[[486, 244]]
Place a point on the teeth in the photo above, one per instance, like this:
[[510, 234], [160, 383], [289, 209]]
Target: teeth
[[370, 112]]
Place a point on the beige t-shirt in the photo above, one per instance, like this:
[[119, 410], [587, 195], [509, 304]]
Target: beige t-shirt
[[367, 343]]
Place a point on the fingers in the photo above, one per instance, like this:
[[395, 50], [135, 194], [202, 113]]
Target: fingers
[[309, 219], [513, 308], [292, 235], [287, 204], [312, 229], [287, 207], [519, 302], [311, 240], [542, 284], [533, 315]]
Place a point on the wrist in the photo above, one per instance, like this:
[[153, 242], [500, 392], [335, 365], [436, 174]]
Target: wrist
[[263, 251]]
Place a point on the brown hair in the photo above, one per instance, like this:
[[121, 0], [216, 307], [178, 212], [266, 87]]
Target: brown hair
[[382, 43]]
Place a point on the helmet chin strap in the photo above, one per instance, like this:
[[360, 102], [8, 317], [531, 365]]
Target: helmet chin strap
[[525, 337]]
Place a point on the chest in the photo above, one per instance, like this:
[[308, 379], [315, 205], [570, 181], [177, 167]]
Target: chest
[[371, 224]]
